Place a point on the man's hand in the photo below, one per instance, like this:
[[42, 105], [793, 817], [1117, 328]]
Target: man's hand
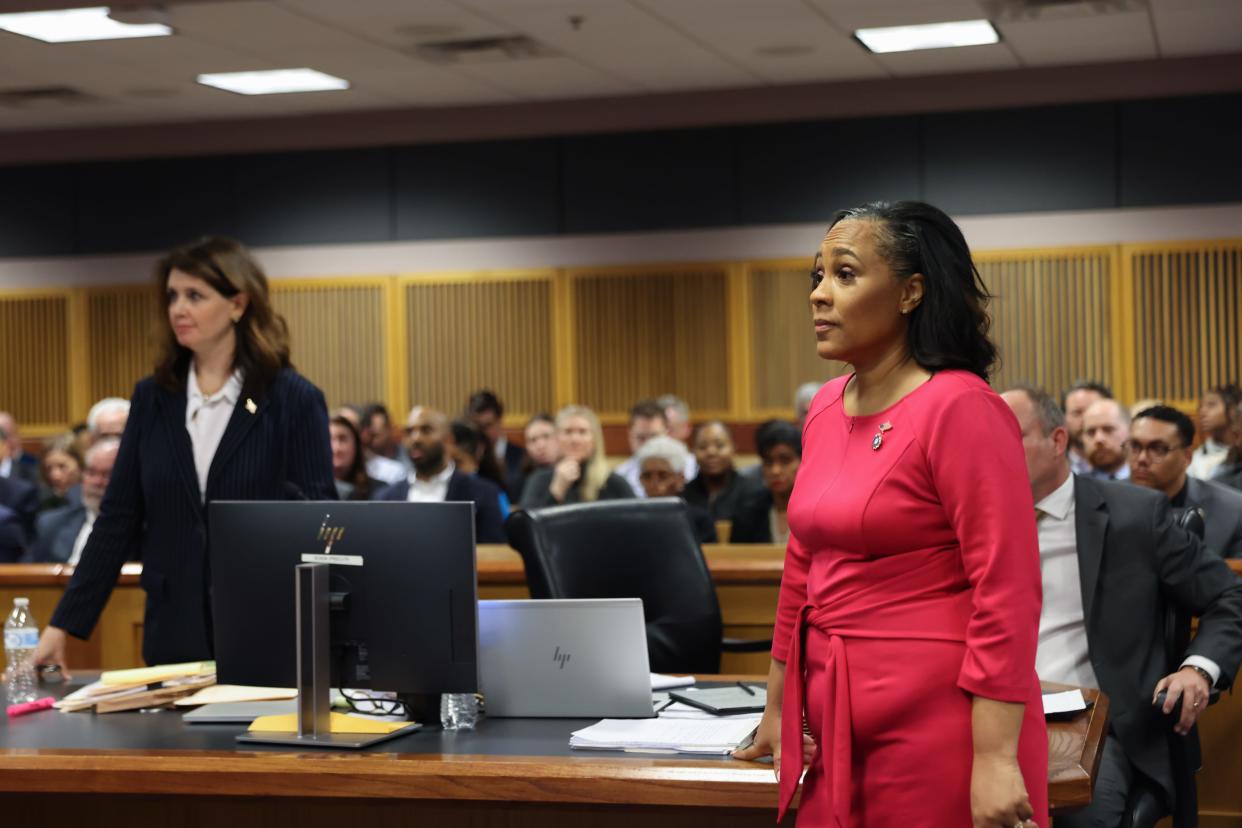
[[1192, 688]]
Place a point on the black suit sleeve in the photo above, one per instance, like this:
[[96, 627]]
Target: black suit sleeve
[[115, 534], [489, 523], [1200, 581], [309, 463]]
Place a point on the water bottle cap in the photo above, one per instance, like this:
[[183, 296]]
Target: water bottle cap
[[21, 602]]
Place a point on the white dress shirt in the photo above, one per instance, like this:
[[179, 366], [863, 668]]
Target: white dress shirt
[[206, 418], [1206, 459], [382, 468], [6, 467], [434, 490], [1063, 655], [79, 543]]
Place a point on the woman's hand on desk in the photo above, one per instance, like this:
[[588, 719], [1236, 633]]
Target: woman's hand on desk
[[768, 743], [51, 650]]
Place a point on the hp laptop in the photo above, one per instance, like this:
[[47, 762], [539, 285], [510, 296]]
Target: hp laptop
[[564, 658]]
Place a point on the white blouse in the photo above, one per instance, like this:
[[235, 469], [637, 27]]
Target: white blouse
[[206, 418]]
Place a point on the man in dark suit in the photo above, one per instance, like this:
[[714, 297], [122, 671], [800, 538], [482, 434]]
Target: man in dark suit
[[12, 536], [1112, 559], [61, 534], [485, 410], [23, 499], [1161, 450], [435, 478]]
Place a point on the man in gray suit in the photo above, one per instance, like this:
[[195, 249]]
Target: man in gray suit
[[1160, 451], [1112, 560], [61, 534]]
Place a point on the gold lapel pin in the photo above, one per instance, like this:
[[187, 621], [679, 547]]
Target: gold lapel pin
[[250, 406]]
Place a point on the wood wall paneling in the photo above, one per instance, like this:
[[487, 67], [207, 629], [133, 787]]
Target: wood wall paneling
[[782, 340], [122, 333], [1187, 316], [469, 331], [34, 352], [1052, 318], [337, 335], [643, 332]]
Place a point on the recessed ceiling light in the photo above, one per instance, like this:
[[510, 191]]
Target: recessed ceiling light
[[273, 82], [72, 25], [928, 36]]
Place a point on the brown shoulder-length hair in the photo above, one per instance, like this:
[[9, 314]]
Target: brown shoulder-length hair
[[230, 269]]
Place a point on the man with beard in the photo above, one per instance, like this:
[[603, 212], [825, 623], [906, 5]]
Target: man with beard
[[1074, 402], [61, 534], [435, 478], [1105, 430]]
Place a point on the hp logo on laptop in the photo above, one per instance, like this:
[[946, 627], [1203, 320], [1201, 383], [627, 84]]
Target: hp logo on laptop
[[329, 534], [560, 658]]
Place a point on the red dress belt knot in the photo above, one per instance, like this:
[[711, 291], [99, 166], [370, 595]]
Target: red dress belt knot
[[836, 745]]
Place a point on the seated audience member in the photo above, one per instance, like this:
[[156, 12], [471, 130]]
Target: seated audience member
[[436, 479], [677, 418], [1075, 401], [17, 463], [1106, 549], [647, 420], [352, 413], [761, 517], [581, 475], [718, 488], [107, 418], [62, 472], [1217, 410], [349, 469], [473, 454], [1105, 430], [17, 493], [662, 464], [803, 398], [487, 412], [61, 534], [375, 430], [1160, 454], [81, 438], [542, 450], [12, 536], [1229, 472]]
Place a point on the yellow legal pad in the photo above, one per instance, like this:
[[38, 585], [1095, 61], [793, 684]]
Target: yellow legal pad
[[340, 723], [160, 672]]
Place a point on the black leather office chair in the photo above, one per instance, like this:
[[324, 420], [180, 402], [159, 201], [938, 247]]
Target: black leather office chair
[[1148, 804], [630, 549]]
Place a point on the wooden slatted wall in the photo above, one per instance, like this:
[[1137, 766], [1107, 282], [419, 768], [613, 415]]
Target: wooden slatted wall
[[646, 332], [123, 329], [465, 332], [1187, 304], [336, 335], [1052, 315], [34, 357], [782, 341]]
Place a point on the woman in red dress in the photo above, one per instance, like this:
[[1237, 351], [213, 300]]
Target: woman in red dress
[[909, 607]]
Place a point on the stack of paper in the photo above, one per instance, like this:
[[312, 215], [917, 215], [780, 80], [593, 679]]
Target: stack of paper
[[143, 687], [718, 735]]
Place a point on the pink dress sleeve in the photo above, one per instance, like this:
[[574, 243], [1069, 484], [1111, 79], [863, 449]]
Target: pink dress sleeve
[[977, 464], [792, 596]]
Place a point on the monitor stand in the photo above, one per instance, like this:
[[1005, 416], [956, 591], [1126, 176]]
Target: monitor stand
[[314, 674]]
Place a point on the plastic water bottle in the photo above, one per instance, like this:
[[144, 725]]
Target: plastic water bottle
[[459, 711], [21, 636]]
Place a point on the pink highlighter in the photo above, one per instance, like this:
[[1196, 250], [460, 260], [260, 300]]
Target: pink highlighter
[[30, 707]]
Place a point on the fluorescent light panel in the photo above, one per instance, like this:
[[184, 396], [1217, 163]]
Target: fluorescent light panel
[[73, 25], [928, 36], [273, 82]]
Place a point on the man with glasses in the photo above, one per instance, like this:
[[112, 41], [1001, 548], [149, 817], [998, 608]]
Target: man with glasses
[[61, 534], [1160, 451]]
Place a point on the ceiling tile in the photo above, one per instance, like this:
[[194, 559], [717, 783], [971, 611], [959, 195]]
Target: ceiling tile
[[940, 61], [860, 14], [1197, 27], [1086, 39]]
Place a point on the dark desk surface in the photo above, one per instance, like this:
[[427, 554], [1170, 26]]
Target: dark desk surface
[[525, 760]]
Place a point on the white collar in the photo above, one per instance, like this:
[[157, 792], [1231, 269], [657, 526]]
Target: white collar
[[440, 479], [1058, 503], [229, 393]]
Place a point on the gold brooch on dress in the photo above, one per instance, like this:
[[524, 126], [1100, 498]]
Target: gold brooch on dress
[[878, 440]]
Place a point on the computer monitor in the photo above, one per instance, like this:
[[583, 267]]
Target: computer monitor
[[402, 579]]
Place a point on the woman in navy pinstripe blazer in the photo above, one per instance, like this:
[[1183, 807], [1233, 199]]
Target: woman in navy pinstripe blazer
[[255, 430]]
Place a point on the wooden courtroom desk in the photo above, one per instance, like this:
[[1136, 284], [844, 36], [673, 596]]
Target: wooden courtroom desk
[[137, 769]]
